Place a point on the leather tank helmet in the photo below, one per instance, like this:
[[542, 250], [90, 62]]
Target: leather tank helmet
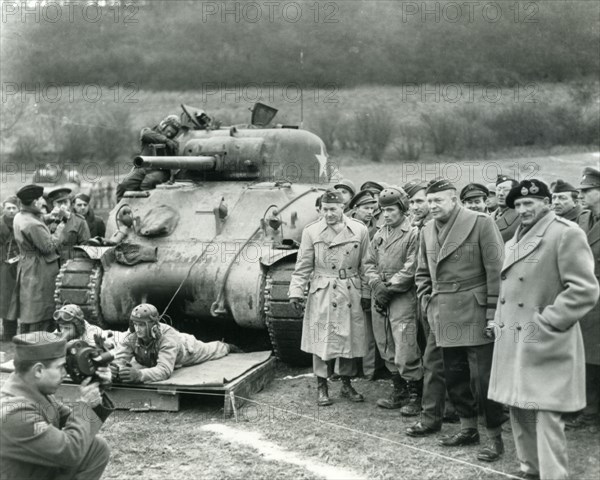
[[394, 196], [147, 313], [70, 313]]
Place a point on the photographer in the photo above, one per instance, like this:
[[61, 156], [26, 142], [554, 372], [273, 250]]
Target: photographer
[[42, 438]]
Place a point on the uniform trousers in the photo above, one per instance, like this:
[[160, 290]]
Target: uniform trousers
[[434, 384], [345, 367], [92, 465], [592, 389], [372, 360], [540, 442]]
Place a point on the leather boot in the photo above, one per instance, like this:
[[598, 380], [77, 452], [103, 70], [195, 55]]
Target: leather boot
[[323, 399], [349, 392], [413, 407], [398, 394], [9, 329], [492, 451]]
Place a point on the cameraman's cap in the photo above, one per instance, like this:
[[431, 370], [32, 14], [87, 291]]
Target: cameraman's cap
[[37, 346], [59, 193], [364, 197], [528, 188], [83, 196], [413, 187], [332, 196], [473, 190], [439, 185], [562, 187], [590, 179], [29, 193]]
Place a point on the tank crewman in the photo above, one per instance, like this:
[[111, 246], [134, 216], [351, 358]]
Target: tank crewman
[[474, 197], [41, 437], [38, 264], [9, 258], [505, 217], [460, 256], [492, 200], [564, 200], [153, 350], [71, 325], [589, 221], [348, 190], [390, 268], [362, 206], [547, 285], [74, 229], [142, 178], [331, 257], [95, 224]]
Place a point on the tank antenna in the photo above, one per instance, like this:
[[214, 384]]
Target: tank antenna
[[301, 89]]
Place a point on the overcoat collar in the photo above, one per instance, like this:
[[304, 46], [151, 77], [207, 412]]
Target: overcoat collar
[[518, 250], [347, 233], [510, 216], [461, 229], [395, 233]]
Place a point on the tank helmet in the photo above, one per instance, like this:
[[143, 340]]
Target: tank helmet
[[170, 121], [70, 314], [145, 312], [394, 196]]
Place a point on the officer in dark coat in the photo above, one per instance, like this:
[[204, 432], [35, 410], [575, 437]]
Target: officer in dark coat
[[564, 200], [506, 218], [43, 439], [81, 204], [9, 258], [69, 227]]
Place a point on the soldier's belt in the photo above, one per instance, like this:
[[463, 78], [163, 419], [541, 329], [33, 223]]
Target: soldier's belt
[[341, 274], [459, 285]]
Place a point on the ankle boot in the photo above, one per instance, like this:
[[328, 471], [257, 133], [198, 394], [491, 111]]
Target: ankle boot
[[349, 392], [413, 407], [323, 399], [398, 394]]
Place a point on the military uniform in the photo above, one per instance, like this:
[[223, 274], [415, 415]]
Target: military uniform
[[507, 221], [75, 232], [95, 224]]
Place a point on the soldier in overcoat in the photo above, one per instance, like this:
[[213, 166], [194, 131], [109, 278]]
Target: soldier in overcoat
[[331, 256], [564, 200], [547, 285], [74, 229], [9, 257], [460, 257], [38, 264], [506, 218]]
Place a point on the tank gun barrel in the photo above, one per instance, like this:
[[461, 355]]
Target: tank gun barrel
[[199, 162]]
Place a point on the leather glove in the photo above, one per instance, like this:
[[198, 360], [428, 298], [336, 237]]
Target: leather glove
[[365, 304], [382, 294], [380, 309], [296, 303], [114, 370], [491, 329], [130, 375], [234, 348]]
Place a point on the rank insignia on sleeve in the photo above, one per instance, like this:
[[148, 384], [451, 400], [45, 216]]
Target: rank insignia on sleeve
[[40, 427]]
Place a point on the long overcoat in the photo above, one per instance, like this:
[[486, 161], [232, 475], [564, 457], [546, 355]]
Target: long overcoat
[[457, 282], [38, 267], [590, 323], [507, 222], [334, 323], [9, 250], [547, 285]]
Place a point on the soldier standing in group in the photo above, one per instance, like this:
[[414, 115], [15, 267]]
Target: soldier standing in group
[[331, 257], [460, 256], [505, 217], [474, 197], [74, 229], [419, 209], [38, 264], [390, 269], [95, 224], [492, 200], [375, 188], [9, 258], [547, 285], [348, 190], [564, 200]]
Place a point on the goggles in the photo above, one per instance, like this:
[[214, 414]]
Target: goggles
[[65, 316]]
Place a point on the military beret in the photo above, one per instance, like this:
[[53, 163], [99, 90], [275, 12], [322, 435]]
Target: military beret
[[439, 185], [363, 197], [590, 179], [38, 346], [332, 196], [473, 190], [561, 186], [59, 193], [413, 187], [491, 188], [373, 186], [347, 184], [83, 196], [29, 193], [528, 188], [505, 178], [394, 196], [12, 199]]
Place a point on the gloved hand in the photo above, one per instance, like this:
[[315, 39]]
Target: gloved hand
[[130, 374], [365, 304], [490, 330], [382, 294], [297, 303], [380, 309], [234, 348], [114, 370]]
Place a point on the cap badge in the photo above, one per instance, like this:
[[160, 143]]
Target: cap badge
[[534, 188], [524, 191]]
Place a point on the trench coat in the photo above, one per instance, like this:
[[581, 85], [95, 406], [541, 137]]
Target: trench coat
[[457, 282], [590, 323], [38, 267], [507, 222], [334, 322], [547, 285], [41, 437], [8, 271]]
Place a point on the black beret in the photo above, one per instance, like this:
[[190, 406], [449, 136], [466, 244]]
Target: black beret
[[413, 187], [362, 198], [83, 196], [369, 185], [59, 193], [561, 186], [590, 179], [528, 188], [332, 196], [439, 185], [37, 346], [473, 190], [29, 193], [505, 178]]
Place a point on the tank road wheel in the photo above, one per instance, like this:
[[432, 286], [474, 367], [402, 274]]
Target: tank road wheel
[[283, 321], [79, 281]]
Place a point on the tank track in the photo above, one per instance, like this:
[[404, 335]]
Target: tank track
[[78, 282], [283, 321]]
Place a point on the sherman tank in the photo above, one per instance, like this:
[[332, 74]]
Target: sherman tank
[[218, 242]]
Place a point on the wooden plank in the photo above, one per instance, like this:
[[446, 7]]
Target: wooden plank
[[247, 385]]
